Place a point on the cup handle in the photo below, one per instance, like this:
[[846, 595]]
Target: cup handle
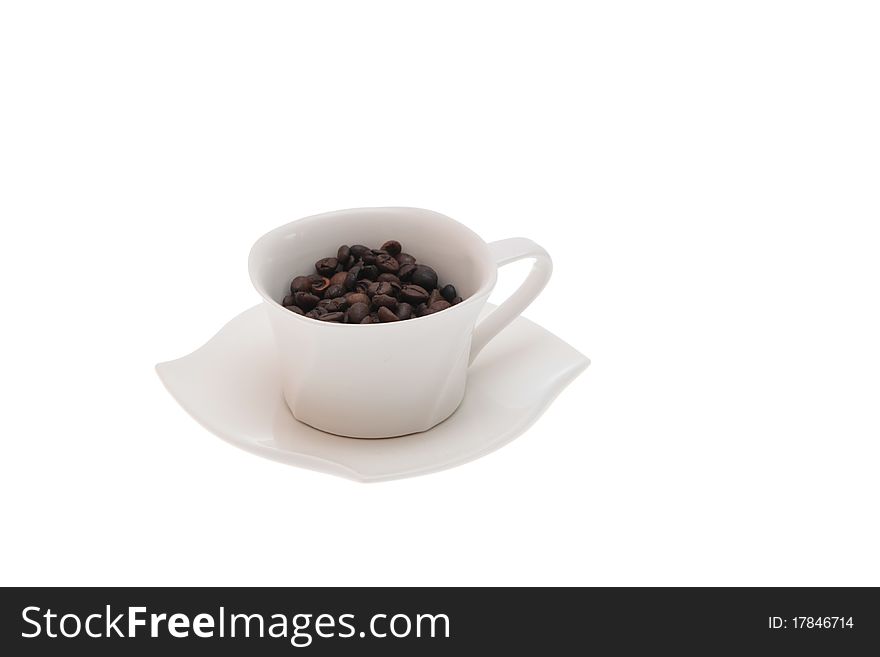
[[504, 252]]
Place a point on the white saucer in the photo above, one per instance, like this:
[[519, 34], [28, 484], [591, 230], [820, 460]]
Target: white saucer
[[231, 386]]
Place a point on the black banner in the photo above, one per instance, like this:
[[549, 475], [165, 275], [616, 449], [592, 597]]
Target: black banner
[[437, 621]]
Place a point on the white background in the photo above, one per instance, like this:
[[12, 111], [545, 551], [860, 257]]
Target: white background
[[704, 174]]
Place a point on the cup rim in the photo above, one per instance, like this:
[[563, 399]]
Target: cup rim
[[481, 292]]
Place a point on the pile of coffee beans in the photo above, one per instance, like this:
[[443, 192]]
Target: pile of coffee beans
[[360, 285]]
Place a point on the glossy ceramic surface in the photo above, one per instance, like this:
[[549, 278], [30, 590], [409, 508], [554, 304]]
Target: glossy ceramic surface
[[232, 386], [384, 380]]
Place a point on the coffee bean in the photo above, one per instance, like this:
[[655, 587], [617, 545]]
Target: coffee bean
[[334, 291], [358, 250], [413, 294], [425, 277], [357, 297], [305, 300], [392, 247], [380, 288], [319, 283], [385, 301], [300, 284], [326, 266], [363, 286], [406, 271], [351, 277], [385, 315], [357, 312], [387, 264]]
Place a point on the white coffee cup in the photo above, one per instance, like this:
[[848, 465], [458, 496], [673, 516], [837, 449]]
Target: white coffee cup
[[387, 379]]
